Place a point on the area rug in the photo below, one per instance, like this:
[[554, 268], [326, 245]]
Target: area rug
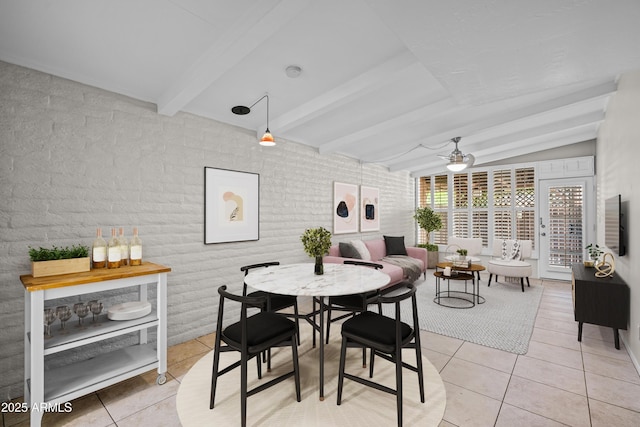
[[505, 321], [277, 406]]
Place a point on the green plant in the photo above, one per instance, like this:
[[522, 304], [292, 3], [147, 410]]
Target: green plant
[[594, 251], [462, 252], [316, 241], [428, 220], [428, 246], [44, 254]]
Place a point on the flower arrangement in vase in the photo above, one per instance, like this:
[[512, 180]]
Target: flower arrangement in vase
[[316, 242]]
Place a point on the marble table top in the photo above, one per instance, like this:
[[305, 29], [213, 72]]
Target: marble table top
[[299, 279]]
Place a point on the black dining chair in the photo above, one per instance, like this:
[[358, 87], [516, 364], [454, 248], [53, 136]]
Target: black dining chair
[[386, 337], [251, 336], [274, 302], [352, 304]]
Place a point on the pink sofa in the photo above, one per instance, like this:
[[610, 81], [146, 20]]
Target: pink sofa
[[378, 250]]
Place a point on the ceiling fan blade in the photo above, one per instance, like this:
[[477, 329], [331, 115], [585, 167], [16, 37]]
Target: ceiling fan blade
[[447, 157]]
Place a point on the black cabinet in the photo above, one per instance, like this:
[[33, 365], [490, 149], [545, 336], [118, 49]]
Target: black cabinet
[[599, 301]]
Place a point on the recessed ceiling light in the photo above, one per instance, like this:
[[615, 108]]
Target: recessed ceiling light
[[293, 71]]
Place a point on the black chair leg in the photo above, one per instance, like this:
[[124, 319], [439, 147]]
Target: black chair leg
[[528, 285], [214, 374], [243, 389], [296, 368], [371, 358], [522, 283], [399, 383], [490, 276], [343, 355]]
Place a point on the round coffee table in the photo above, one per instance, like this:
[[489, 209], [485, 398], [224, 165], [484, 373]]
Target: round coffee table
[[462, 274]]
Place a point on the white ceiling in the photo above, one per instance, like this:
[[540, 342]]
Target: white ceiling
[[383, 81]]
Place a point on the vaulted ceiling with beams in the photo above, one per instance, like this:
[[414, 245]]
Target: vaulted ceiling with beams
[[382, 81]]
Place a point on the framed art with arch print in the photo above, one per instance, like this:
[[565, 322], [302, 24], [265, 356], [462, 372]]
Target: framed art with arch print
[[231, 206]]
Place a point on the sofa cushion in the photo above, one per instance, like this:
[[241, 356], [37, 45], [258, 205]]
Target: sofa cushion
[[362, 249], [395, 245], [347, 250]]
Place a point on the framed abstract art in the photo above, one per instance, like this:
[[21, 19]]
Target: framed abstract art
[[369, 209], [231, 206], [345, 208]]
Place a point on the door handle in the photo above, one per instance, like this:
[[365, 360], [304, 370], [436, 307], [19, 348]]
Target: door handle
[[543, 234]]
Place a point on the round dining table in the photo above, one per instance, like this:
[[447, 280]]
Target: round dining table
[[300, 280]]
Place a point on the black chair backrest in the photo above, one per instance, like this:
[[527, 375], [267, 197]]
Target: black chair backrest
[[363, 263], [396, 297], [246, 268], [247, 302]]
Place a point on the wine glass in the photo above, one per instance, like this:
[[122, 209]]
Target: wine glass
[[81, 311], [64, 313], [49, 318], [96, 308]]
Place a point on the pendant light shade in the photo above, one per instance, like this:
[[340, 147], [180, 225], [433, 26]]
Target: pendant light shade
[[267, 139]]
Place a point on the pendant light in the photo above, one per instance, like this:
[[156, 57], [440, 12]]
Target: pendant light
[[267, 139]]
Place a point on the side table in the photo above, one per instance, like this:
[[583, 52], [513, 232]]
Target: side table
[[457, 295]]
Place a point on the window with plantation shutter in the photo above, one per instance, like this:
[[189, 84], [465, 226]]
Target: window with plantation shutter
[[480, 206], [424, 194], [490, 204], [525, 203], [441, 207]]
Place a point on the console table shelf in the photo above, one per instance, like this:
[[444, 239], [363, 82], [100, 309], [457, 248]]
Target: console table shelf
[[599, 301], [59, 385]]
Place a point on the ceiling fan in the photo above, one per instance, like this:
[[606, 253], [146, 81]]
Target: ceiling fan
[[457, 160]]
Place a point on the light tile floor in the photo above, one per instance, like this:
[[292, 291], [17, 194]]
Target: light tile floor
[[560, 381]]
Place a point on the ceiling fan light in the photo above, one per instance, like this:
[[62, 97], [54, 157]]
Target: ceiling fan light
[[456, 166]]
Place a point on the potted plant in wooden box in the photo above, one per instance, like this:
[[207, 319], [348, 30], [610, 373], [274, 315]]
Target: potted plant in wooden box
[[50, 262], [429, 221]]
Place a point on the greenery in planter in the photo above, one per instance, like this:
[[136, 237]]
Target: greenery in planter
[[594, 251], [44, 254], [316, 241], [429, 221], [428, 246], [462, 252]]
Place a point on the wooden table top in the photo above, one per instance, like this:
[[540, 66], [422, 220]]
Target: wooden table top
[[32, 284], [472, 267]]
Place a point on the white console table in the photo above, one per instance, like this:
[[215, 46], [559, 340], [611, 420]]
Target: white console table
[[44, 389]]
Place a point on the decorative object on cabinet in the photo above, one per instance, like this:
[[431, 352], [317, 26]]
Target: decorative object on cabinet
[[316, 242], [54, 261], [369, 208], [594, 253], [43, 388], [602, 301], [345, 208], [604, 268], [231, 206]]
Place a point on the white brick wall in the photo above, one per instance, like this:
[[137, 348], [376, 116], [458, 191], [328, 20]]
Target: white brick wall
[[73, 157]]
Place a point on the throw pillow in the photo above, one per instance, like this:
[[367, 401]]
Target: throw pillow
[[395, 245], [347, 250], [362, 249]]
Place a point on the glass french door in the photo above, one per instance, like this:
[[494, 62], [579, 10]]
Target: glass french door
[[566, 224]]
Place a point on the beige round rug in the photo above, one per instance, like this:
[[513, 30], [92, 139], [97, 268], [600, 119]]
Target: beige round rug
[[277, 406]]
